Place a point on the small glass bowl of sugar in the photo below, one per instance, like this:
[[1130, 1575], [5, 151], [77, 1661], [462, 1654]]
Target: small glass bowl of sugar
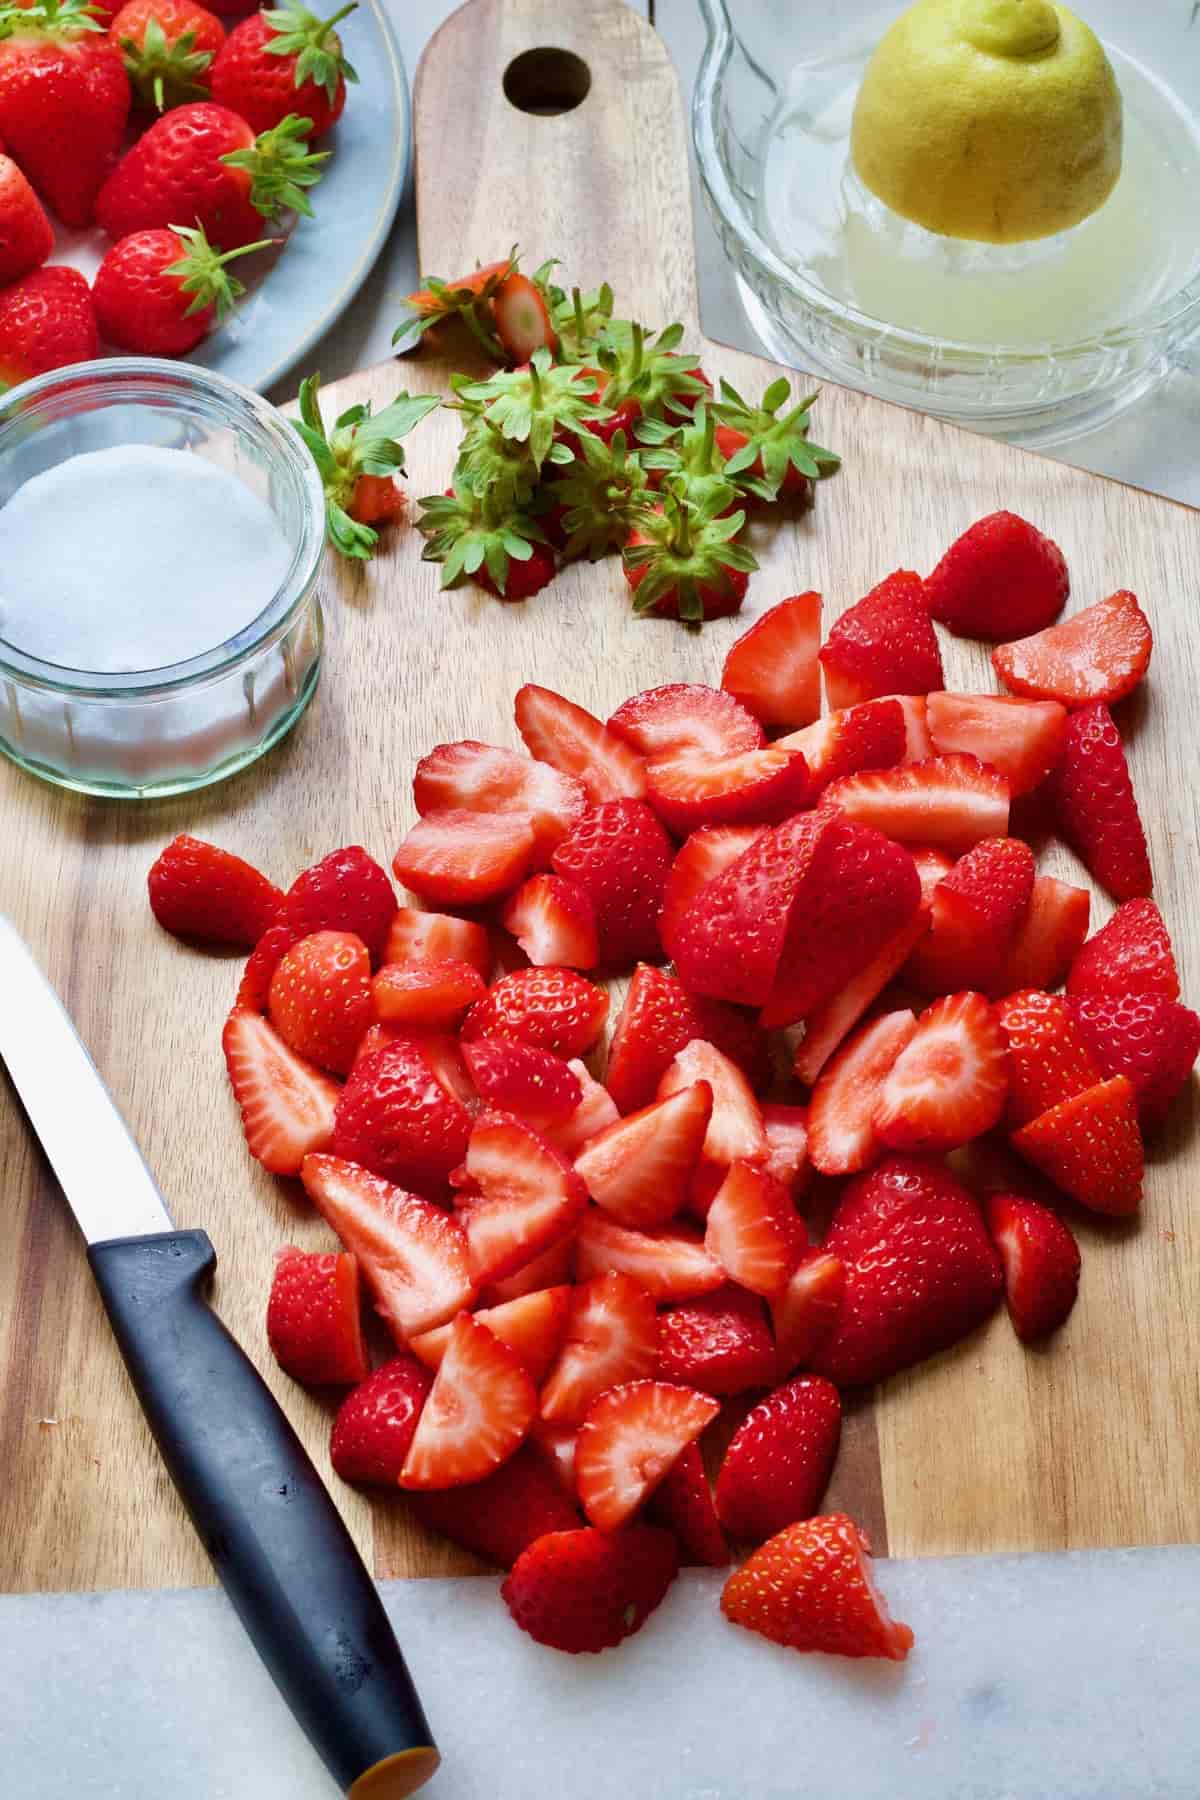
[[161, 532]]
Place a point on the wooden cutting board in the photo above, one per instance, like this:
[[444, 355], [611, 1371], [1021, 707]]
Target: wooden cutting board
[[1090, 1442]]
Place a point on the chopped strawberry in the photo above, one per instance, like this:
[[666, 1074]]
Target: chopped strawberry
[[200, 891], [555, 1444], [254, 989], [1049, 937], [1000, 579], [320, 998], [465, 858], [720, 1343], [526, 1196], [804, 1312], [706, 854], [949, 1083], [1021, 739], [975, 913], [519, 1079], [415, 936], [611, 1336], [657, 1019], [551, 1009], [772, 669], [686, 718], [532, 1326], [620, 856], [573, 740], [949, 802], [479, 1409], [1099, 654], [375, 1423], [629, 1439], [551, 1269], [595, 1113], [1095, 806], [810, 1588], [670, 1261], [918, 745], [398, 1120], [522, 319], [554, 921], [842, 1135], [588, 1590], [932, 866], [412, 1254], [314, 1320], [1048, 1057], [499, 1517], [869, 736], [883, 645], [1132, 954], [757, 787], [475, 777], [683, 1503], [754, 1230], [735, 1127], [639, 1169], [1041, 1263], [287, 1105], [831, 1023], [1090, 1147], [1152, 1040], [440, 1051], [346, 891], [786, 1129], [779, 1461], [430, 995]]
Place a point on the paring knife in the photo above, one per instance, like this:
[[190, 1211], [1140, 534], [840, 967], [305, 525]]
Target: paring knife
[[275, 1537]]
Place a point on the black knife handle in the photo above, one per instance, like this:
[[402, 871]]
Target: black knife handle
[[276, 1538]]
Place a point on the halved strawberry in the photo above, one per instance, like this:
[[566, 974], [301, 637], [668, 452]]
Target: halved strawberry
[[528, 1196], [200, 891], [686, 718], [754, 1230], [629, 1440], [1096, 808], [918, 745], [522, 318], [1000, 579], [416, 936], [430, 995], [841, 1129], [479, 1409], [1041, 1263], [805, 1311], [287, 1105], [869, 736], [516, 1078], [1152, 1040], [949, 1083], [826, 1028], [314, 1318], [475, 777], [574, 740], [638, 1170], [464, 858], [683, 1502], [1021, 739], [620, 855], [720, 1343], [949, 802], [786, 1129], [773, 669], [884, 644], [1049, 937], [975, 913], [610, 1336], [413, 1256], [1090, 1147], [670, 1261], [552, 1009], [532, 1326], [1048, 1057], [757, 787], [501, 1516], [554, 921], [596, 1111], [552, 1269], [319, 1000], [1099, 654], [1131, 954], [735, 1127], [706, 854]]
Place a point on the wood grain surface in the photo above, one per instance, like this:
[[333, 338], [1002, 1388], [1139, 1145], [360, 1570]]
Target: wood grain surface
[[988, 1447]]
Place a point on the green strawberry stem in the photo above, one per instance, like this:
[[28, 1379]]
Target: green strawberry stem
[[281, 166], [61, 20], [315, 45], [361, 443], [778, 443], [203, 272], [154, 63]]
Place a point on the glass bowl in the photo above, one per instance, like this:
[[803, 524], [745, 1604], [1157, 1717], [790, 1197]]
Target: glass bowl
[[166, 730], [1036, 343]]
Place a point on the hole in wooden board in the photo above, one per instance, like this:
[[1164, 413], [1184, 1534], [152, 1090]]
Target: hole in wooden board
[[547, 81]]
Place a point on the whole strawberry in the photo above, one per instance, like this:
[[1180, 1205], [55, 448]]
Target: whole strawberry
[[160, 293], [64, 102], [168, 47], [586, 1590], [26, 234], [281, 62], [47, 320]]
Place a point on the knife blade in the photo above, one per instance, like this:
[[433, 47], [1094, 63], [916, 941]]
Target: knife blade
[[277, 1541]]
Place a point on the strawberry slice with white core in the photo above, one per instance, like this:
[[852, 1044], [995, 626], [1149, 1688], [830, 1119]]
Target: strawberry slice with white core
[[1021, 739], [532, 1326], [528, 1196], [465, 858], [754, 1230], [870, 736], [629, 1441], [552, 1269], [787, 1145], [597, 1110], [1049, 937], [686, 717], [516, 1078], [522, 318], [735, 1127], [950, 1082], [950, 802], [478, 1411], [706, 854], [639, 1169], [918, 745], [1099, 654], [773, 669], [670, 1261], [554, 921], [413, 1254], [830, 1024], [841, 1133], [757, 787], [805, 1311], [572, 739], [431, 995], [611, 1336], [287, 1105], [416, 936], [474, 777]]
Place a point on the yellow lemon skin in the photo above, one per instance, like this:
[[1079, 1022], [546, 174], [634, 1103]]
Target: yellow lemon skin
[[993, 120]]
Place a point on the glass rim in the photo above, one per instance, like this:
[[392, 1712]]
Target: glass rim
[[130, 378]]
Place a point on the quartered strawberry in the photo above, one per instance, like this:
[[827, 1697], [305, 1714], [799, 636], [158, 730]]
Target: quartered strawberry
[[657, 1019], [735, 1126], [786, 1129], [588, 1590], [1099, 654], [611, 1335], [532, 1326], [1090, 1147], [883, 645], [551, 1269], [685, 718], [415, 936], [683, 1503], [397, 1119], [499, 1517], [1049, 937], [720, 1343], [287, 1105], [757, 787], [1095, 806], [950, 1081], [810, 1588], [619, 854], [375, 1423], [975, 912], [831, 1023], [639, 1169], [772, 669], [949, 802], [574, 740], [1021, 739], [629, 1439], [1152, 1040], [464, 858], [346, 891], [314, 1318], [706, 854], [517, 1078], [200, 891], [525, 1196], [1132, 954], [432, 995], [753, 1229], [1041, 1263], [1001, 579], [869, 736], [595, 1113], [779, 1461], [479, 1409], [841, 1131], [1048, 1056], [521, 318], [669, 1261], [474, 777], [254, 989], [554, 921], [320, 1001], [551, 1009], [804, 1312], [413, 1256]]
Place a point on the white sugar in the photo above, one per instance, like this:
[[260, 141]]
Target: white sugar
[[129, 559]]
